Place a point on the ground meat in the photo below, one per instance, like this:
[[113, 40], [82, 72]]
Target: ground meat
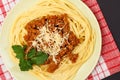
[[64, 44], [72, 57], [52, 67], [73, 40], [49, 60], [32, 32], [58, 23], [66, 29], [70, 47], [62, 52]]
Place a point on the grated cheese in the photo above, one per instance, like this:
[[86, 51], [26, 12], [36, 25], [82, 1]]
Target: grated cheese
[[53, 39]]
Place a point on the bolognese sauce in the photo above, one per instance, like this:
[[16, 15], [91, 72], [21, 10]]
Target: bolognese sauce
[[52, 35]]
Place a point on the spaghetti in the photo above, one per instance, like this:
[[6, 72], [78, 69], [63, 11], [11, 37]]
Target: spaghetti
[[78, 24]]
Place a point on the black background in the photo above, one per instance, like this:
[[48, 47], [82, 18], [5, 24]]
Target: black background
[[111, 12]]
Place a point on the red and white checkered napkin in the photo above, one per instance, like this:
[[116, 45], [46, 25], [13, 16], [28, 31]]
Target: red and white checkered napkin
[[109, 62]]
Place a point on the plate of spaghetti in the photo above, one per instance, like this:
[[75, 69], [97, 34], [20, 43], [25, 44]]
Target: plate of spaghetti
[[50, 40]]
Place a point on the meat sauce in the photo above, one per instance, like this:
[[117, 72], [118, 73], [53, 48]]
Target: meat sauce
[[61, 24]]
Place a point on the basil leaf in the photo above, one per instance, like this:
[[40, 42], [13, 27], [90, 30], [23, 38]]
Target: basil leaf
[[39, 53], [31, 53], [33, 57], [19, 51], [25, 65], [40, 59]]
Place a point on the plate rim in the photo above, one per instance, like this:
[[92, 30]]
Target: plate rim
[[80, 2]]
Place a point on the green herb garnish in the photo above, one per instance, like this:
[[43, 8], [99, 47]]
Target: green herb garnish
[[39, 59], [31, 53], [25, 65], [33, 57], [19, 51]]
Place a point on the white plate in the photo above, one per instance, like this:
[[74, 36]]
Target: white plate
[[22, 6]]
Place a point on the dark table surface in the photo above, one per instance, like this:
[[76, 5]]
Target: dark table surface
[[111, 12]]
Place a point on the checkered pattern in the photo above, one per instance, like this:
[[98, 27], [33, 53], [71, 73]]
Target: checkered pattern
[[109, 62]]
